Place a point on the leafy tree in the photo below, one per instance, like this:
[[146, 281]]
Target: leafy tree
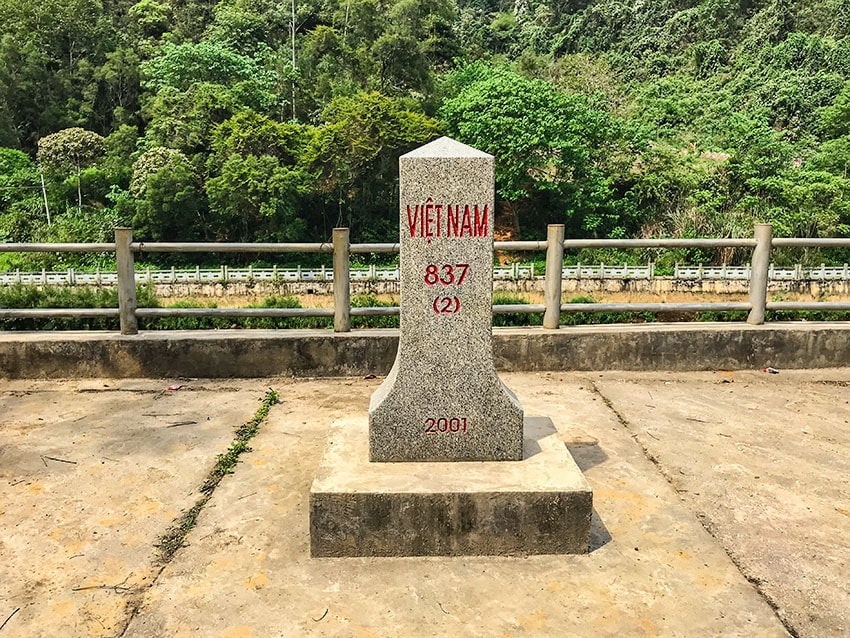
[[167, 200], [793, 79], [355, 151], [71, 149], [249, 26], [21, 208], [197, 88], [255, 198], [48, 52], [834, 156], [335, 69], [179, 66], [402, 65], [16, 169], [429, 25], [121, 148], [544, 141], [189, 19], [758, 154], [835, 118], [186, 119], [504, 33], [812, 204], [119, 88], [361, 21], [151, 17], [249, 133]]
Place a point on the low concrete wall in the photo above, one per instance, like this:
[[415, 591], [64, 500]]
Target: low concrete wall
[[261, 353]]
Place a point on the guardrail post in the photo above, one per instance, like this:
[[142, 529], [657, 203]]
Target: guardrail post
[[126, 281], [342, 283], [554, 268], [759, 273]]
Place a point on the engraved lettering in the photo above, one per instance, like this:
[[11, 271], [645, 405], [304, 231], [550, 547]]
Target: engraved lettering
[[411, 221], [453, 221], [446, 425], [466, 225], [446, 274], [481, 221], [429, 220]]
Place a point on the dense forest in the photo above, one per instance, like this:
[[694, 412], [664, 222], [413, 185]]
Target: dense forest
[[250, 120]]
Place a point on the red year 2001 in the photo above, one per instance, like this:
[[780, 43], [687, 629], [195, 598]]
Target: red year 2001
[[442, 426]]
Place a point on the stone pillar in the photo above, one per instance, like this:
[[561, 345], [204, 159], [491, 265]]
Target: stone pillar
[[443, 400]]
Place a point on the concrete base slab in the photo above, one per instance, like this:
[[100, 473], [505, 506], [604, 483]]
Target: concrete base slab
[[540, 505]]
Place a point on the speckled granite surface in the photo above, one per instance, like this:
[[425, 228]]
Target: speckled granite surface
[[443, 400]]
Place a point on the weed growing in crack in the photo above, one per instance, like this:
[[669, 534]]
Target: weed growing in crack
[[174, 538]]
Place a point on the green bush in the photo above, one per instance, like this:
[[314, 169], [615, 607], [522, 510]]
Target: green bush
[[206, 323], [379, 321], [24, 297], [582, 318], [514, 318], [282, 322], [184, 323]]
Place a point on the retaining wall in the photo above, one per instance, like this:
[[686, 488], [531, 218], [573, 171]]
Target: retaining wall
[[261, 353]]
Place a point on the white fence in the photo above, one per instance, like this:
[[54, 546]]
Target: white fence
[[797, 273], [224, 274]]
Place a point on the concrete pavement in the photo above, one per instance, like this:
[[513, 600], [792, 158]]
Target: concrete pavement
[[720, 508]]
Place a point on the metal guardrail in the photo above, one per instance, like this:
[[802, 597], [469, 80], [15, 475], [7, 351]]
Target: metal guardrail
[[758, 273]]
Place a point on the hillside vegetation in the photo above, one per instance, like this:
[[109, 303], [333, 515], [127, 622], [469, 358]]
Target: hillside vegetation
[[250, 120]]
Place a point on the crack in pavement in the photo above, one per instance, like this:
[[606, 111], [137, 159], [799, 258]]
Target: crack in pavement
[[173, 540], [702, 517]]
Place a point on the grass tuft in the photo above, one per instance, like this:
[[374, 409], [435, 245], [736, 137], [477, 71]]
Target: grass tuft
[[170, 542], [244, 433]]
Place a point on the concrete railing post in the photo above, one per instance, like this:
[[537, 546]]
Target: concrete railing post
[[554, 268], [342, 282], [126, 281], [759, 273]]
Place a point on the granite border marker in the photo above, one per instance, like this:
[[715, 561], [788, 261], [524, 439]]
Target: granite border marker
[[474, 476], [442, 400]]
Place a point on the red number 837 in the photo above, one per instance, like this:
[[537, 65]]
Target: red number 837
[[447, 274]]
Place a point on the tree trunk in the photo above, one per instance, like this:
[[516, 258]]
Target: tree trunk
[[44, 194], [292, 36]]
